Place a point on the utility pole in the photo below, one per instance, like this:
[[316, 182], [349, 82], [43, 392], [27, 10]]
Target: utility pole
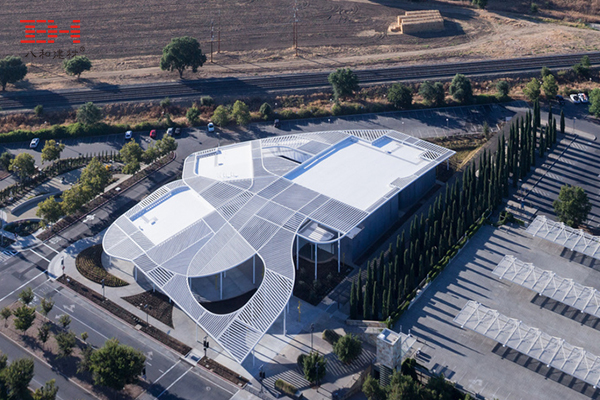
[[295, 27], [212, 38], [219, 35]]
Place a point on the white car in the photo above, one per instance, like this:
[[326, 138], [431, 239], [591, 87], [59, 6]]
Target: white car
[[574, 98], [34, 143], [128, 135], [170, 132], [210, 127], [583, 97]]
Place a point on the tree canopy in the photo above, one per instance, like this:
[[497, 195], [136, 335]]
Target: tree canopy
[[12, 70], [46, 392], [594, 98], [460, 89], [503, 88], [77, 65], [5, 160], [348, 348], [52, 150], [23, 165], [131, 152], [344, 82], [550, 86], [314, 367], [89, 114], [572, 206], [24, 317], [114, 365], [95, 176], [532, 89], [183, 52], [221, 116], [400, 95], [49, 210], [240, 113], [432, 93], [16, 377]]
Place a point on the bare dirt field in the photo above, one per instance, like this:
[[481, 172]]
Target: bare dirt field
[[124, 39]]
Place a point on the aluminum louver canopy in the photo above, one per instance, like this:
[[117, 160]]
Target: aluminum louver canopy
[[245, 199], [559, 233]]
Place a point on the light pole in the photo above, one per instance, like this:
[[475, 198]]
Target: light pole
[[447, 124], [574, 120]]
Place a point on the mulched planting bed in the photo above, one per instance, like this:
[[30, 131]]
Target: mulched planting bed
[[223, 372], [89, 264], [23, 228], [125, 315], [158, 305], [311, 291], [66, 366]]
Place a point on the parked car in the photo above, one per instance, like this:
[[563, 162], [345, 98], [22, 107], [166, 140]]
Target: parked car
[[210, 127], [153, 133], [177, 131], [128, 135], [34, 143], [574, 98], [170, 132], [276, 123], [583, 97], [560, 99]]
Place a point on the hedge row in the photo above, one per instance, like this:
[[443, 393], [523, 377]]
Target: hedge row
[[330, 336], [286, 387]]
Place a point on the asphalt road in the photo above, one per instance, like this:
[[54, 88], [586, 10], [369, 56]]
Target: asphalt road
[[103, 94]]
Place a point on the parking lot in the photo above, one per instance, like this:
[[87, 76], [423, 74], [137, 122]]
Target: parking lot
[[482, 365]]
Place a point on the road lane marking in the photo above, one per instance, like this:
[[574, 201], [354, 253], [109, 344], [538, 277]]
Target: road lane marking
[[80, 321], [51, 248], [25, 284], [166, 372], [176, 380], [213, 382], [35, 252]]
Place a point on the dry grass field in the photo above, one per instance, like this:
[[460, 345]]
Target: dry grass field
[[124, 39]]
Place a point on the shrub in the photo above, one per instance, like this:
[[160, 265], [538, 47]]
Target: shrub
[[503, 88], [400, 95], [265, 111], [165, 103], [38, 110], [299, 360], [533, 8], [89, 264], [337, 109], [288, 114], [207, 101], [240, 113], [192, 115], [330, 336], [460, 89], [286, 387], [221, 116]]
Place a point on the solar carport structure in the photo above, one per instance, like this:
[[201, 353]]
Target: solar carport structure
[[259, 199], [552, 351]]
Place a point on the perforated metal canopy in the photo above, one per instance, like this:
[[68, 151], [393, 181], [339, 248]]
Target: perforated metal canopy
[[547, 283], [559, 233], [245, 199], [552, 351]]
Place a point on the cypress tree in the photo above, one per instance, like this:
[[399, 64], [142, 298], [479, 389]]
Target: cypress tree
[[562, 122], [366, 306], [359, 294], [353, 301], [554, 131], [405, 290], [391, 297], [375, 304], [384, 305]]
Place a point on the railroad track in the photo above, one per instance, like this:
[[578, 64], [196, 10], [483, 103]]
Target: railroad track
[[274, 83]]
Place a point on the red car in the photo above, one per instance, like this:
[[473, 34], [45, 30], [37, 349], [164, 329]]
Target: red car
[[153, 133]]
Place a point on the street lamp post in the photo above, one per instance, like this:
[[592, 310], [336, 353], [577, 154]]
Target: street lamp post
[[574, 120], [447, 124]]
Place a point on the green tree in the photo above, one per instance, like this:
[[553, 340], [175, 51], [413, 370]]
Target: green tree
[[594, 108], [12, 70], [89, 114], [460, 89], [480, 3], [24, 317], [432, 93], [66, 342], [49, 210], [95, 176], [192, 115], [23, 165], [166, 145], [73, 199], [65, 321], [5, 160], [44, 332], [182, 53], [26, 296], [550, 86], [572, 206], [314, 367], [38, 110], [532, 89], [372, 390], [46, 392], [266, 111], [582, 68], [503, 88], [400, 96], [77, 65], [17, 377], [114, 365], [545, 72], [165, 103], [240, 113], [131, 152], [221, 116], [131, 168], [344, 82], [52, 150], [151, 153], [404, 387], [348, 348], [5, 313]]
